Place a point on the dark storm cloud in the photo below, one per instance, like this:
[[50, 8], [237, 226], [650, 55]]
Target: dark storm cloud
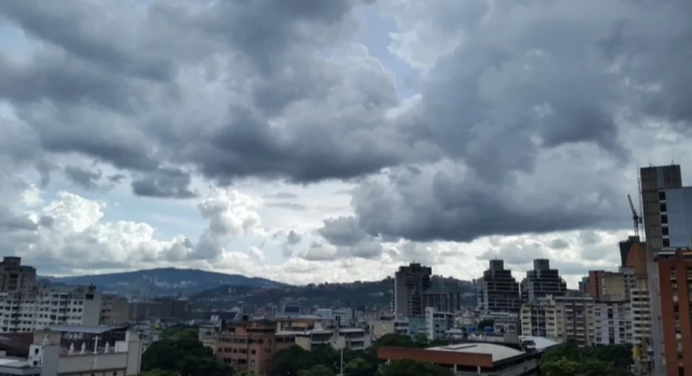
[[519, 128], [85, 178], [121, 89], [164, 183]]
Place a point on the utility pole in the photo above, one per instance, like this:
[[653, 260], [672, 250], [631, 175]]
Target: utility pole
[[341, 366]]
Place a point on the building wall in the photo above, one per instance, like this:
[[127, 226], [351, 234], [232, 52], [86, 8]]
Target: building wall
[[114, 310], [39, 307], [595, 284], [612, 323], [654, 181], [675, 274], [560, 318], [250, 347], [15, 277]]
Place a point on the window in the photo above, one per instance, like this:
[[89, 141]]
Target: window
[[662, 195], [665, 231], [664, 219], [666, 242], [664, 208], [252, 352]]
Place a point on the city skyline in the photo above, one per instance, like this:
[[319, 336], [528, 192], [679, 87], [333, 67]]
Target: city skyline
[[338, 144]]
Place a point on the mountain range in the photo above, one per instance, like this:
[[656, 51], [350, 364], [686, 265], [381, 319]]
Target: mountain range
[[161, 281]]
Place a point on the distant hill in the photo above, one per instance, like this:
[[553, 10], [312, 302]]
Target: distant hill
[[374, 295], [163, 281]]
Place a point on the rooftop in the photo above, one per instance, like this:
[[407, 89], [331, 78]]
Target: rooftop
[[498, 352], [84, 329], [14, 362]]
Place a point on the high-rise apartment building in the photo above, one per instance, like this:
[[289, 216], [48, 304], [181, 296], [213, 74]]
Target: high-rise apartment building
[[562, 318], [612, 323], [675, 276], [497, 290], [39, 307], [410, 282], [656, 182], [541, 282], [15, 277]]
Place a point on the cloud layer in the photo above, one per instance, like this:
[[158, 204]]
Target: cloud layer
[[528, 122]]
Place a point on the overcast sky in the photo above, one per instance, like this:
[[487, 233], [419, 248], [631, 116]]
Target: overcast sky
[[315, 140]]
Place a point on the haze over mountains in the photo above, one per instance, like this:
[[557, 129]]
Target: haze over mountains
[[162, 281]]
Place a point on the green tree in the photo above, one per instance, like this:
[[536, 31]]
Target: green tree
[[157, 372], [184, 357], [316, 370], [421, 340], [593, 361], [412, 368], [360, 367]]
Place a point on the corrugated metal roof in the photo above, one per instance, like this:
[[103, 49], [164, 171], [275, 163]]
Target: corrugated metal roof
[[84, 329]]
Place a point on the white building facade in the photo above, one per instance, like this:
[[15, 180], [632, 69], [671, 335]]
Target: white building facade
[[612, 323], [39, 307]]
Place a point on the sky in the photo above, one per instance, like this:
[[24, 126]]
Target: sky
[[331, 141]]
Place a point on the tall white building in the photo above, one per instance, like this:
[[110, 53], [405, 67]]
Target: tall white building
[[39, 307], [612, 323]]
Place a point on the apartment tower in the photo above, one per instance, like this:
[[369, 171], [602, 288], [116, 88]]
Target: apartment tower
[[497, 290], [15, 277], [541, 282], [655, 182], [410, 282]]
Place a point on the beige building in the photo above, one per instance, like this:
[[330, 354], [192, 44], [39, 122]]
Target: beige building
[[562, 318], [15, 277]]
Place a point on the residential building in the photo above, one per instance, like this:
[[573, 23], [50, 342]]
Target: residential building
[[379, 328], [437, 323], [250, 346], [541, 282], [503, 322], [343, 316], [594, 285], [625, 246], [417, 326], [442, 301], [497, 290], [675, 273], [114, 310], [561, 318], [410, 282], [15, 277], [49, 357], [661, 190], [612, 323], [38, 307]]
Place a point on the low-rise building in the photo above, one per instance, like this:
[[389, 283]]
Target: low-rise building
[[250, 346], [49, 357], [437, 323], [469, 359]]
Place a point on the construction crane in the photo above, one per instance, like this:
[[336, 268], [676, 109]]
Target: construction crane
[[635, 217]]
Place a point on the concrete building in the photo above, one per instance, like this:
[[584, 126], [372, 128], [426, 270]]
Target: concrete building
[[437, 323], [467, 359], [250, 346], [541, 282], [657, 185], [410, 282], [561, 318], [497, 290], [675, 273], [380, 328], [442, 301], [48, 357], [15, 277], [157, 308], [612, 323], [114, 310], [503, 322], [38, 307]]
